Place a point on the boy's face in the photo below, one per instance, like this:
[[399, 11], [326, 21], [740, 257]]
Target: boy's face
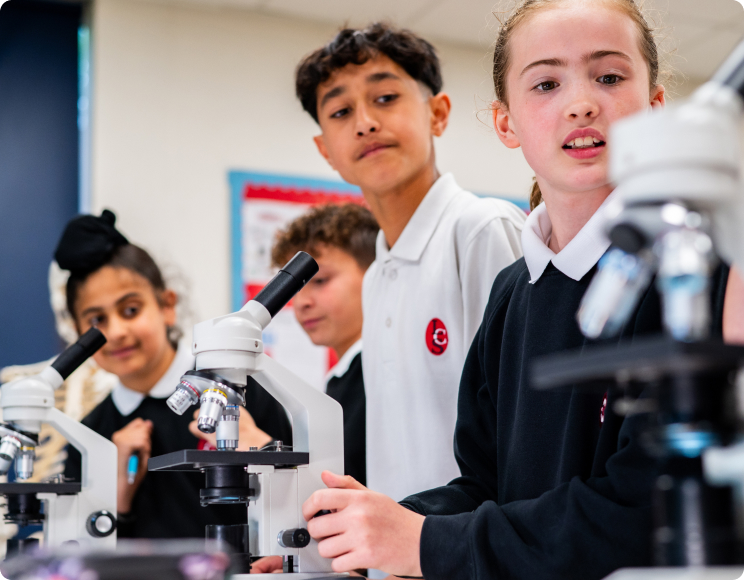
[[329, 307], [378, 124]]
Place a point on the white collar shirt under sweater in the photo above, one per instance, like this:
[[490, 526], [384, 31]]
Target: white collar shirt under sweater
[[577, 257], [126, 400], [423, 301]]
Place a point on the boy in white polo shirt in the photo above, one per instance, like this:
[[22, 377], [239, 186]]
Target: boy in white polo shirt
[[376, 94]]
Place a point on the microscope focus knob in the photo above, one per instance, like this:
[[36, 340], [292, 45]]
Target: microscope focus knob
[[101, 524], [295, 538]]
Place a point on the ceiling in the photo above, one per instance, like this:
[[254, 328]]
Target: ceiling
[[704, 31]]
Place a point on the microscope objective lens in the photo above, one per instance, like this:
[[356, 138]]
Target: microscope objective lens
[[213, 402]]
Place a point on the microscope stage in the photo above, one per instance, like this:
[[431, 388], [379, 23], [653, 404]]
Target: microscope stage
[[16, 488], [642, 360], [196, 460]]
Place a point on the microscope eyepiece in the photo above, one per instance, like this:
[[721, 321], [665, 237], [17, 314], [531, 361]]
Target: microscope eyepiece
[[76, 354], [287, 282], [731, 72]]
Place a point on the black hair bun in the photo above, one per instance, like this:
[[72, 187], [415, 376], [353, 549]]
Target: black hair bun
[[88, 242]]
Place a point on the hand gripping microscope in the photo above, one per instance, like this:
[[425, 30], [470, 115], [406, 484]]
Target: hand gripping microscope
[[79, 512], [678, 206], [274, 481]]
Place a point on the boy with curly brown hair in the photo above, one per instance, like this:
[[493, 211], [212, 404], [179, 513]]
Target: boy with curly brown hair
[[341, 238]]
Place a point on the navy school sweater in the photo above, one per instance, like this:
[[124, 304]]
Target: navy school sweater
[[166, 504], [552, 486]]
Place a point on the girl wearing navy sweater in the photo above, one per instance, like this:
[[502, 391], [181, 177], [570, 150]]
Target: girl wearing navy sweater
[[551, 486]]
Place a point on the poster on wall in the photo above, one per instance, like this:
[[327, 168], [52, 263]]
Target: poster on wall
[[261, 205]]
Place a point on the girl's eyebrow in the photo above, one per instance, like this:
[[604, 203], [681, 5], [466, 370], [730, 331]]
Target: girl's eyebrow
[[599, 54], [124, 298], [546, 62], [596, 55], [127, 296], [90, 310]]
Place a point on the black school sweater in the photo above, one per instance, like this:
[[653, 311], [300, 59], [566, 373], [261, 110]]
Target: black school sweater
[[166, 504], [348, 390], [548, 489]]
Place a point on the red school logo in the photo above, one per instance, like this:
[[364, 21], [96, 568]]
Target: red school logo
[[436, 337]]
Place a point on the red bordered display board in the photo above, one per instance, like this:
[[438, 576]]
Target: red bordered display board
[[261, 204]]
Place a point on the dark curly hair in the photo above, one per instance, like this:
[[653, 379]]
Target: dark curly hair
[[353, 46], [349, 227]]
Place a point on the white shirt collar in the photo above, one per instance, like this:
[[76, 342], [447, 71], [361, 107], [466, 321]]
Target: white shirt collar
[[420, 228], [126, 400], [343, 364], [577, 257]]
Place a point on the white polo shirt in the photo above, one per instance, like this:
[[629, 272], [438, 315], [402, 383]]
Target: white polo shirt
[[423, 301]]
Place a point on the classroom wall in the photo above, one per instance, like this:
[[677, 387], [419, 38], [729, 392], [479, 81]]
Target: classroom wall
[[183, 93]]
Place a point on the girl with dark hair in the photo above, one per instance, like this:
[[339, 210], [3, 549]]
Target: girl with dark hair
[[117, 287]]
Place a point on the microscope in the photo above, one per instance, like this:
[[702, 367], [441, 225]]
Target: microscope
[[73, 512], [678, 207], [275, 481]]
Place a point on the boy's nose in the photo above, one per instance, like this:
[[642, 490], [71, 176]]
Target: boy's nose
[[365, 123]]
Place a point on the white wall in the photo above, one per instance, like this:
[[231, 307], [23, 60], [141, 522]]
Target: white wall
[[184, 93]]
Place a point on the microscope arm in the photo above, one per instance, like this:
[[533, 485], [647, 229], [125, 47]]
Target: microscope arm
[[317, 419]]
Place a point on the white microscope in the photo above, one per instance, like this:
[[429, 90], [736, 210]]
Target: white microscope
[[80, 512], [679, 207], [276, 480]]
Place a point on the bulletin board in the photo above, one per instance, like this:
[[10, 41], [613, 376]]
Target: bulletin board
[[262, 204]]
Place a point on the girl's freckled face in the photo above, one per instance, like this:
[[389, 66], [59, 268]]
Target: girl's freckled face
[[576, 66]]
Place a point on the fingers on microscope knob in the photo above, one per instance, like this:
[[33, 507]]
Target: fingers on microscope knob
[[294, 538]]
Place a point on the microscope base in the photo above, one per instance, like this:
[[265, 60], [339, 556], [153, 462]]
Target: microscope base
[[712, 573]]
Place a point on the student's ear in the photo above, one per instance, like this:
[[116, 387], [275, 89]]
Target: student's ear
[[168, 301], [503, 125], [322, 149], [440, 110], [658, 97]]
